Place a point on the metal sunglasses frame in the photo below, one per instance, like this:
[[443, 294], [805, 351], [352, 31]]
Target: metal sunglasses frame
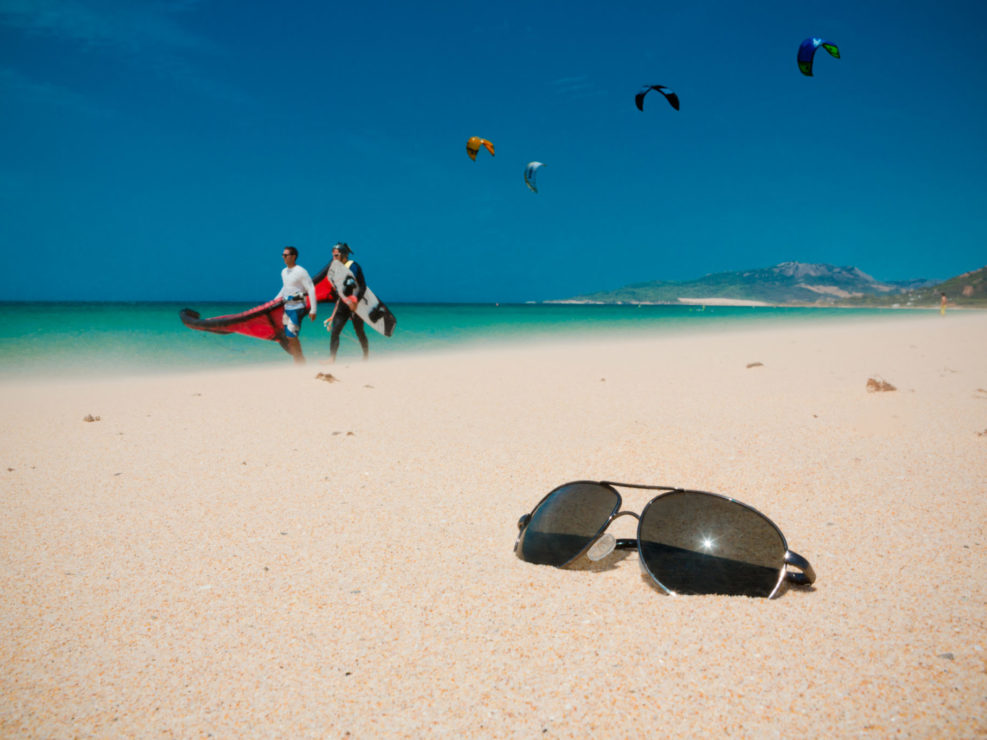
[[806, 577]]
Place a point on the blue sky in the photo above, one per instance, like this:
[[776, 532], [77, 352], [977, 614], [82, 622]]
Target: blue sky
[[168, 150]]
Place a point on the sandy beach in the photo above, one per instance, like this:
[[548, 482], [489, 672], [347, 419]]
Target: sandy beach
[[261, 553]]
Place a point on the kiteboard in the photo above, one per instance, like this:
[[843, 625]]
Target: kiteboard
[[370, 308], [265, 321]]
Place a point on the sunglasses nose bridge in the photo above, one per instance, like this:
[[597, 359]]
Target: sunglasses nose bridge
[[605, 542], [625, 513]]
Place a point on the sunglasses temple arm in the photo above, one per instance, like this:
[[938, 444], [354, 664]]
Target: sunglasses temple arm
[[806, 577], [626, 544]]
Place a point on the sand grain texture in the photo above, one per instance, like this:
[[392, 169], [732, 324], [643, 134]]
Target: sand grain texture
[[263, 554]]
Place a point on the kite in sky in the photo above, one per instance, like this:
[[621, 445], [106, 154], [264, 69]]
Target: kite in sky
[[529, 175], [473, 145], [807, 50], [672, 98]]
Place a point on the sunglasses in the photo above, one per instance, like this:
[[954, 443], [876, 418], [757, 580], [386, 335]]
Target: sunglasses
[[689, 542]]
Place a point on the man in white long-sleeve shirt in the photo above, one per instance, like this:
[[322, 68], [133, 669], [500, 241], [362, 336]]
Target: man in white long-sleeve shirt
[[296, 283]]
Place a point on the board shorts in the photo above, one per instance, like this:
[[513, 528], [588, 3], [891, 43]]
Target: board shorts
[[293, 321]]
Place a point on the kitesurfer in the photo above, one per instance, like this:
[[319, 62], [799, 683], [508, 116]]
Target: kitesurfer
[[296, 284], [346, 305]]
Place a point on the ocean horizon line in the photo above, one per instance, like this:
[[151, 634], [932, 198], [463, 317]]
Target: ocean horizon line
[[191, 303], [551, 302]]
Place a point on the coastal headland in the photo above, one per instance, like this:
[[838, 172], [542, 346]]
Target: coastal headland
[[326, 551]]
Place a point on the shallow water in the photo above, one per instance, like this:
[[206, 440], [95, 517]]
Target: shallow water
[[94, 339]]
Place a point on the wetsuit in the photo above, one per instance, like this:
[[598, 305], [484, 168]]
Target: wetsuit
[[344, 314]]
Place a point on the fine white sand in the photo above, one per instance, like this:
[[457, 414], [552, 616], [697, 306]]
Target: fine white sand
[[263, 554]]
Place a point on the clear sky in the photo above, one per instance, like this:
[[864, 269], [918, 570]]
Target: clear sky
[[168, 150]]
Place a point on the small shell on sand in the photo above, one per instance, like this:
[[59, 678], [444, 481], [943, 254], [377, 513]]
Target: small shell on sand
[[875, 385]]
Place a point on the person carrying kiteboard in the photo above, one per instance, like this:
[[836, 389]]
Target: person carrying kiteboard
[[346, 304]]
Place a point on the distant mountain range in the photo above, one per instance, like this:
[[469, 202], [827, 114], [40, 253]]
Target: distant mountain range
[[800, 284]]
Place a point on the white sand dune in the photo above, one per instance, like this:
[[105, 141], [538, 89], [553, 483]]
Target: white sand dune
[[263, 554], [722, 302]]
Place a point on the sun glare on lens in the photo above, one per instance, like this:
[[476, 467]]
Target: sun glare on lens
[[708, 543]]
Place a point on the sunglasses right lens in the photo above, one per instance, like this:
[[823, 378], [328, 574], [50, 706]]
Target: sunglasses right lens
[[701, 543], [566, 522]]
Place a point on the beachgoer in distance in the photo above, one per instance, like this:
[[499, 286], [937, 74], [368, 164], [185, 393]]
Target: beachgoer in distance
[[942, 305], [346, 305], [296, 283]]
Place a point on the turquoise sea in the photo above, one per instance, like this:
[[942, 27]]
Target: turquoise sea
[[101, 339]]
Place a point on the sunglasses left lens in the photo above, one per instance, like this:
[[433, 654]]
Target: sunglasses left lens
[[701, 543], [566, 522]]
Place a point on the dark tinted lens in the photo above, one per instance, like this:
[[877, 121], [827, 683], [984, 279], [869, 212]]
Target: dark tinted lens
[[566, 522], [699, 543]]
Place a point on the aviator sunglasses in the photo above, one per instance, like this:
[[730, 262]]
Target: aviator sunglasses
[[689, 542]]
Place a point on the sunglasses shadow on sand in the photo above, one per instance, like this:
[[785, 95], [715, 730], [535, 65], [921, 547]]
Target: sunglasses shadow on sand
[[688, 542]]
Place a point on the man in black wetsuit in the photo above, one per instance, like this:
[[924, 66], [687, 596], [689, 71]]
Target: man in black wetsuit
[[346, 305]]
